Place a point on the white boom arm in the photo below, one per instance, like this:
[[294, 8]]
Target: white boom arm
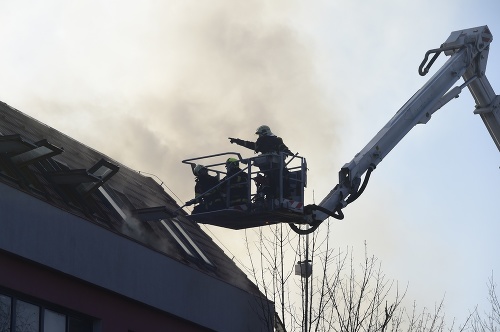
[[468, 51]]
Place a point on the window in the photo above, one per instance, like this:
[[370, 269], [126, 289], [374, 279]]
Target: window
[[27, 317], [103, 170], [54, 321], [180, 235], [113, 203], [39, 153], [5, 313], [17, 315], [177, 239], [191, 242], [22, 152], [76, 324]]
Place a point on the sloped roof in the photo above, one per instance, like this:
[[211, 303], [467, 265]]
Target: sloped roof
[[132, 189]]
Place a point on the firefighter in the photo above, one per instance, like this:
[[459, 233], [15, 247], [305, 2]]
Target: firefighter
[[207, 194], [235, 184], [268, 143]]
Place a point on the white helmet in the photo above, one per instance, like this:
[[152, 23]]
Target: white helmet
[[198, 168], [263, 131]]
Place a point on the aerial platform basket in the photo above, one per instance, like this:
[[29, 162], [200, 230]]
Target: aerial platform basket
[[284, 206], [238, 217]]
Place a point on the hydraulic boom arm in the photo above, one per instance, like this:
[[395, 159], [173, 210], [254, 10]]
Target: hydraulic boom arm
[[468, 51]]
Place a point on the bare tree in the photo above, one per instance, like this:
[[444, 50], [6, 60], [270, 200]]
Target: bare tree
[[342, 294], [491, 321]]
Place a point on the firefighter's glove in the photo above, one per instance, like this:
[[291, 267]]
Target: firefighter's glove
[[191, 202], [235, 140]]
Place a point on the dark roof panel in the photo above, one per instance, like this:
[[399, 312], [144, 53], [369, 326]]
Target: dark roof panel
[[58, 178]]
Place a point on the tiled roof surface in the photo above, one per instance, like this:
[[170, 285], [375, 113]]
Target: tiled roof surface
[[131, 189]]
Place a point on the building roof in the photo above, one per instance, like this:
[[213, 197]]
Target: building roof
[[71, 176]]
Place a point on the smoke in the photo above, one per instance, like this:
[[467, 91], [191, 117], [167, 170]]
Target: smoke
[[154, 83], [151, 83]]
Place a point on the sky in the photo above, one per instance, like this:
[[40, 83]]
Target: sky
[[152, 83]]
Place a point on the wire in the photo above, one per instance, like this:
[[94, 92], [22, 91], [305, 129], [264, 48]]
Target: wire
[[161, 184], [222, 245]]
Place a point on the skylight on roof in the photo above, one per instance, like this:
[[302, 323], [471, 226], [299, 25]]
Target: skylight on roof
[[111, 201], [176, 238], [104, 170], [23, 152], [191, 242], [41, 152], [13, 144]]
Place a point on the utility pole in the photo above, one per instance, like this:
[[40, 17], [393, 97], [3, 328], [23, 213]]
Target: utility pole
[[307, 286], [304, 269]]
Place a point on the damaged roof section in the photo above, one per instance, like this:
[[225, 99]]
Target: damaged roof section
[[65, 173]]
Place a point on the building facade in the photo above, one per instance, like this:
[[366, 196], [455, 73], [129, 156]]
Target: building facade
[[87, 244]]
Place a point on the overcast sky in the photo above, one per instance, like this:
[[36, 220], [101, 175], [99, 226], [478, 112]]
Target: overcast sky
[[151, 83]]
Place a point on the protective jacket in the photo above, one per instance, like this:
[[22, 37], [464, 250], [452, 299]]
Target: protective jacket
[[235, 187], [264, 144], [211, 200]]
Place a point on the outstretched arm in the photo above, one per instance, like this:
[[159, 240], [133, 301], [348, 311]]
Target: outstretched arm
[[246, 144]]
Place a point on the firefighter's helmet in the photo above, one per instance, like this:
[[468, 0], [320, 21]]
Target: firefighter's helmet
[[232, 163], [199, 169], [263, 131]]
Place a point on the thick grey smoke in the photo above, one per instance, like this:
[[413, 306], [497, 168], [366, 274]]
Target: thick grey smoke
[[153, 83], [156, 83]]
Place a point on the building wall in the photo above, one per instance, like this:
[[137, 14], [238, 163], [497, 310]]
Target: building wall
[[34, 283], [65, 244]]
